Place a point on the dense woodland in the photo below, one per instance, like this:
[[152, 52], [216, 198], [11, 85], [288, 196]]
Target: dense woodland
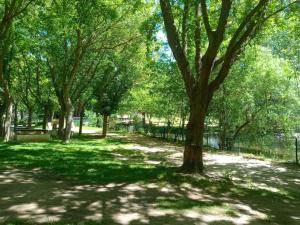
[[193, 64]]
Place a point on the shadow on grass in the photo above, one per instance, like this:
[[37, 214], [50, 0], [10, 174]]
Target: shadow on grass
[[101, 163], [85, 159]]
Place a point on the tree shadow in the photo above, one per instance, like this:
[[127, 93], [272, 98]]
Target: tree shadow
[[106, 182]]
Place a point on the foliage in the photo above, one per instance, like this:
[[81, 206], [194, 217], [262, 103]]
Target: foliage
[[244, 103]]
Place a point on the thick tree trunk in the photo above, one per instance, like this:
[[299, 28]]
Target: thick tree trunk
[[2, 111], [50, 118], [150, 119], [144, 118], [193, 151], [222, 144], [98, 120], [7, 120], [105, 125], [61, 124], [29, 119], [81, 121], [45, 117], [15, 116], [69, 120]]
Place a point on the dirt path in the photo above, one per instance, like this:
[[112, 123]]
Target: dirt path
[[261, 173], [40, 198]]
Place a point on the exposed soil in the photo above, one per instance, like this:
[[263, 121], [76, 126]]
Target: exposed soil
[[38, 197]]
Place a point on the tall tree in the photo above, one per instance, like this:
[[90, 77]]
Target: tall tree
[[10, 10], [220, 32], [84, 31], [115, 81]]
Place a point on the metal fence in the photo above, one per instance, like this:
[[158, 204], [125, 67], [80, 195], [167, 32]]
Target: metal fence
[[281, 148], [275, 147]]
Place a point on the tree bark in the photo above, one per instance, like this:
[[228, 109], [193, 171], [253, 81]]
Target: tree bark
[[98, 120], [7, 120], [193, 151], [182, 127], [222, 137], [105, 125], [69, 120], [50, 117], [144, 118], [81, 120], [2, 111], [29, 119], [61, 123], [46, 117], [15, 116]]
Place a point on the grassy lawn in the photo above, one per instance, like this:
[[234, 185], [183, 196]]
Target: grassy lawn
[[138, 187], [88, 160]]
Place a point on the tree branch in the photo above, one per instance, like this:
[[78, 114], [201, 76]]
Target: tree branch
[[185, 25], [176, 47], [280, 10], [226, 6], [77, 56], [246, 30], [206, 20], [197, 38]]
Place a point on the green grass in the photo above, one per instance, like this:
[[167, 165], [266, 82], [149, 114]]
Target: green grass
[[90, 160], [85, 159], [101, 161], [95, 160]]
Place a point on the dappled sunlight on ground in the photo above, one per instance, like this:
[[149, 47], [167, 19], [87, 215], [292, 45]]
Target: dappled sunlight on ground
[[262, 173], [51, 200], [236, 190]]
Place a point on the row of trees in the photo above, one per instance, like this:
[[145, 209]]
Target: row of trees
[[57, 55], [60, 57]]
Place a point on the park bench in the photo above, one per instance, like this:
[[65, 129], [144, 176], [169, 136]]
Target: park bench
[[28, 134]]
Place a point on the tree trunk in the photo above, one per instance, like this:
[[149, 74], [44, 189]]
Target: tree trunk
[[7, 120], [105, 125], [222, 144], [144, 118], [15, 116], [2, 111], [98, 120], [150, 119], [69, 120], [193, 151], [45, 117], [45, 121], [50, 118], [81, 120], [29, 119], [61, 123]]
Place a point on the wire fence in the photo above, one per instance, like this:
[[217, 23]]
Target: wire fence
[[275, 147]]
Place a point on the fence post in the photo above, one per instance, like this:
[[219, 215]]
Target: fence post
[[296, 145]]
